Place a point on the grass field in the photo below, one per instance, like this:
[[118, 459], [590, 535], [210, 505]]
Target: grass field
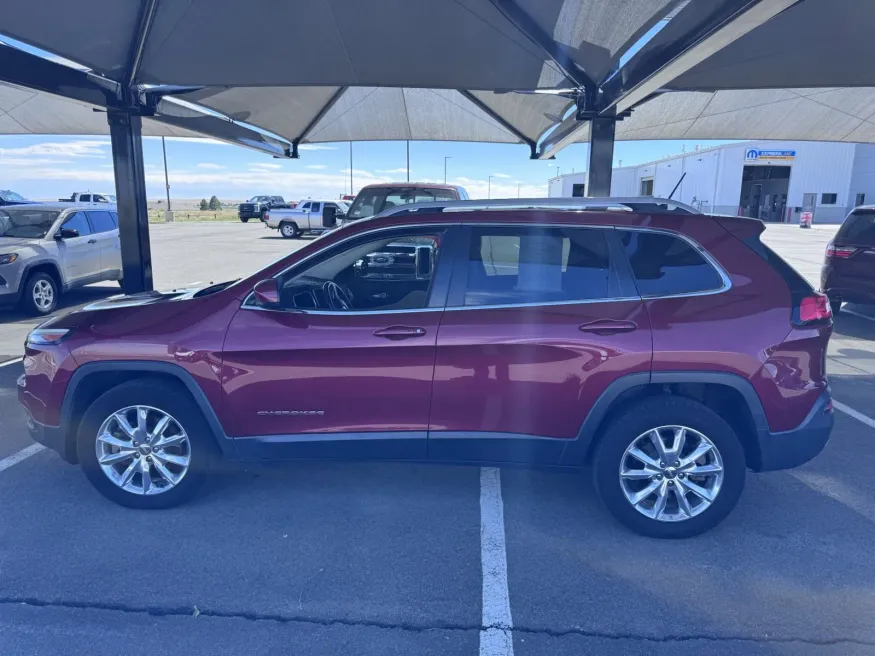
[[183, 216]]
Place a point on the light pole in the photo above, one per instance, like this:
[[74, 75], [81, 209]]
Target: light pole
[[518, 189], [408, 162], [168, 214], [489, 188], [445, 168], [351, 192]]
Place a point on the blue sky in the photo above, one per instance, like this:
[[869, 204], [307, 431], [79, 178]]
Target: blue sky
[[50, 167]]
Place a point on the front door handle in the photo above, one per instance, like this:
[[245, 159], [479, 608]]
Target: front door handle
[[608, 327], [92, 241], [400, 332]]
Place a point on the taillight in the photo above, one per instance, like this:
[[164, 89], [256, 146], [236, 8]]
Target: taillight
[[267, 216], [813, 308], [840, 252]]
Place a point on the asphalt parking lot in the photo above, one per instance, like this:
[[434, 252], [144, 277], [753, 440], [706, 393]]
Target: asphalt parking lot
[[418, 559]]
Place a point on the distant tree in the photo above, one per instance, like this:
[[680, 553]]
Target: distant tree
[[204, 204], [214, 204]]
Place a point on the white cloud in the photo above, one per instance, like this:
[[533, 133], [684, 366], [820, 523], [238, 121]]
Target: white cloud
[[79, 148], [398, 170], [264, 165], [209, 165], [316, 147], [500, 175], [316, 167]]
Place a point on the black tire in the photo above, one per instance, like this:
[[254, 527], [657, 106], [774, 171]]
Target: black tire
[[289, 230], [835, 304], [655, 412], [170, 398], [28, 300], [242, 220]]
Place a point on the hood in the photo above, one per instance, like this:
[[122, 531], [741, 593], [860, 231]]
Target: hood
[[8, 243], [143, 298]]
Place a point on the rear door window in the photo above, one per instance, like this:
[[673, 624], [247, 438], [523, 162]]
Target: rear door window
[[858, 229], [665, 265], [521, 265], [102, 221]]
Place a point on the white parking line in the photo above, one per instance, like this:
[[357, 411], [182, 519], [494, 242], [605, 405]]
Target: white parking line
[[15, 458], [857, 314], [859, 416], [496, 638], [13, 361]]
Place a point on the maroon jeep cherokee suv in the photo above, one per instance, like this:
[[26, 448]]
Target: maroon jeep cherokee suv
[[669, 350]]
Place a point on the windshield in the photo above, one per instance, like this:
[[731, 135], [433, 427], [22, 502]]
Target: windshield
[[11, 196], [255, 199], [26, 223], [373, 201]]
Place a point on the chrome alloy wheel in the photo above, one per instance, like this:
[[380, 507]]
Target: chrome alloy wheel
[[671, 473], [143, 450], [43, 295]]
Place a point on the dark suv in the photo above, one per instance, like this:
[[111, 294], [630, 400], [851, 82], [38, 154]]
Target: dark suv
[[848, 272], [669, 350]]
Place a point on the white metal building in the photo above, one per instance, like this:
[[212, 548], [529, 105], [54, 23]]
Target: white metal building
[[770, 180]]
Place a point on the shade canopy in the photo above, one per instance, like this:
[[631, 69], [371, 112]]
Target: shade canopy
[[460, 70]]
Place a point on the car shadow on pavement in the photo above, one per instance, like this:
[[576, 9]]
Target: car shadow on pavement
[[72, 300], [278, 236]]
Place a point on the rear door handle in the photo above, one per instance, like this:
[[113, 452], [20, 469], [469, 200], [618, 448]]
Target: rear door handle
[[608, 327], [400, 332]]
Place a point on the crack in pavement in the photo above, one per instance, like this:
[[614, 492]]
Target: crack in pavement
[[185, 611]]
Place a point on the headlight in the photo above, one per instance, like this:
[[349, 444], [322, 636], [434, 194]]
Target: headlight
[[47, 336], [9, 258]]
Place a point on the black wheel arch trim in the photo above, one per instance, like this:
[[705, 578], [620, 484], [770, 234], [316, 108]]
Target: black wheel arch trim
[[225, 443], [578, 449], [30, 266]]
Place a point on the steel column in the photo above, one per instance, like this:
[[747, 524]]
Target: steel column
[[601, 156], [125, 132]]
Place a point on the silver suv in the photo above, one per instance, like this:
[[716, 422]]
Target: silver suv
[[49, 248]]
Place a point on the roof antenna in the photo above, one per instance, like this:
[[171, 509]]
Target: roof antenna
[[677, 185]]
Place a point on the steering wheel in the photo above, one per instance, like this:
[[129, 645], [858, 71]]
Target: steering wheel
[[338, 297]]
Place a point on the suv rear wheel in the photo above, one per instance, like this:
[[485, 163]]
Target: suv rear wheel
[[143, 444], [669, 467], [40, 294]]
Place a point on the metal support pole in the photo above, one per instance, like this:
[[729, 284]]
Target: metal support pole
[[601, 156], [351, 192], [408, 161], [166, 177], [125, 131], [445, 167]]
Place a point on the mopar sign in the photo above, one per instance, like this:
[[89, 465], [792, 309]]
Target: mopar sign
[[754, 155]]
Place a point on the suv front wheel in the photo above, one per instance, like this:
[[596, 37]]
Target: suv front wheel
[[40, 294], [669, 467], [144, 444]]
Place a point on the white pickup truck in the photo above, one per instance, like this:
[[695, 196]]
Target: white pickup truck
[[305, 217]]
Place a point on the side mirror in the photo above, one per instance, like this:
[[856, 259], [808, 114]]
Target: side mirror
[[267, 293], [66, 233], [329, 216]]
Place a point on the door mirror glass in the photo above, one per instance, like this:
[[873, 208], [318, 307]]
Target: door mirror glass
[[329, 216], [67, 233], [267, 293]]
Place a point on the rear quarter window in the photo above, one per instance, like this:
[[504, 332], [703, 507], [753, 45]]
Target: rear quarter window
[[858, 228], [666, 265]]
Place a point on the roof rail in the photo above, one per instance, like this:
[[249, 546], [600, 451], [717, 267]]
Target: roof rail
[[620, 204]]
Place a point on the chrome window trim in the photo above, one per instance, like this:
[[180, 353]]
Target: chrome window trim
[[726, 286]]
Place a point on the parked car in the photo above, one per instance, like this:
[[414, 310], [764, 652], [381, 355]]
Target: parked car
[[305, 217], [380, 197], [47, 249], [8, 197], [670, 351], [848, 272], [257, 206], [88, 197]]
